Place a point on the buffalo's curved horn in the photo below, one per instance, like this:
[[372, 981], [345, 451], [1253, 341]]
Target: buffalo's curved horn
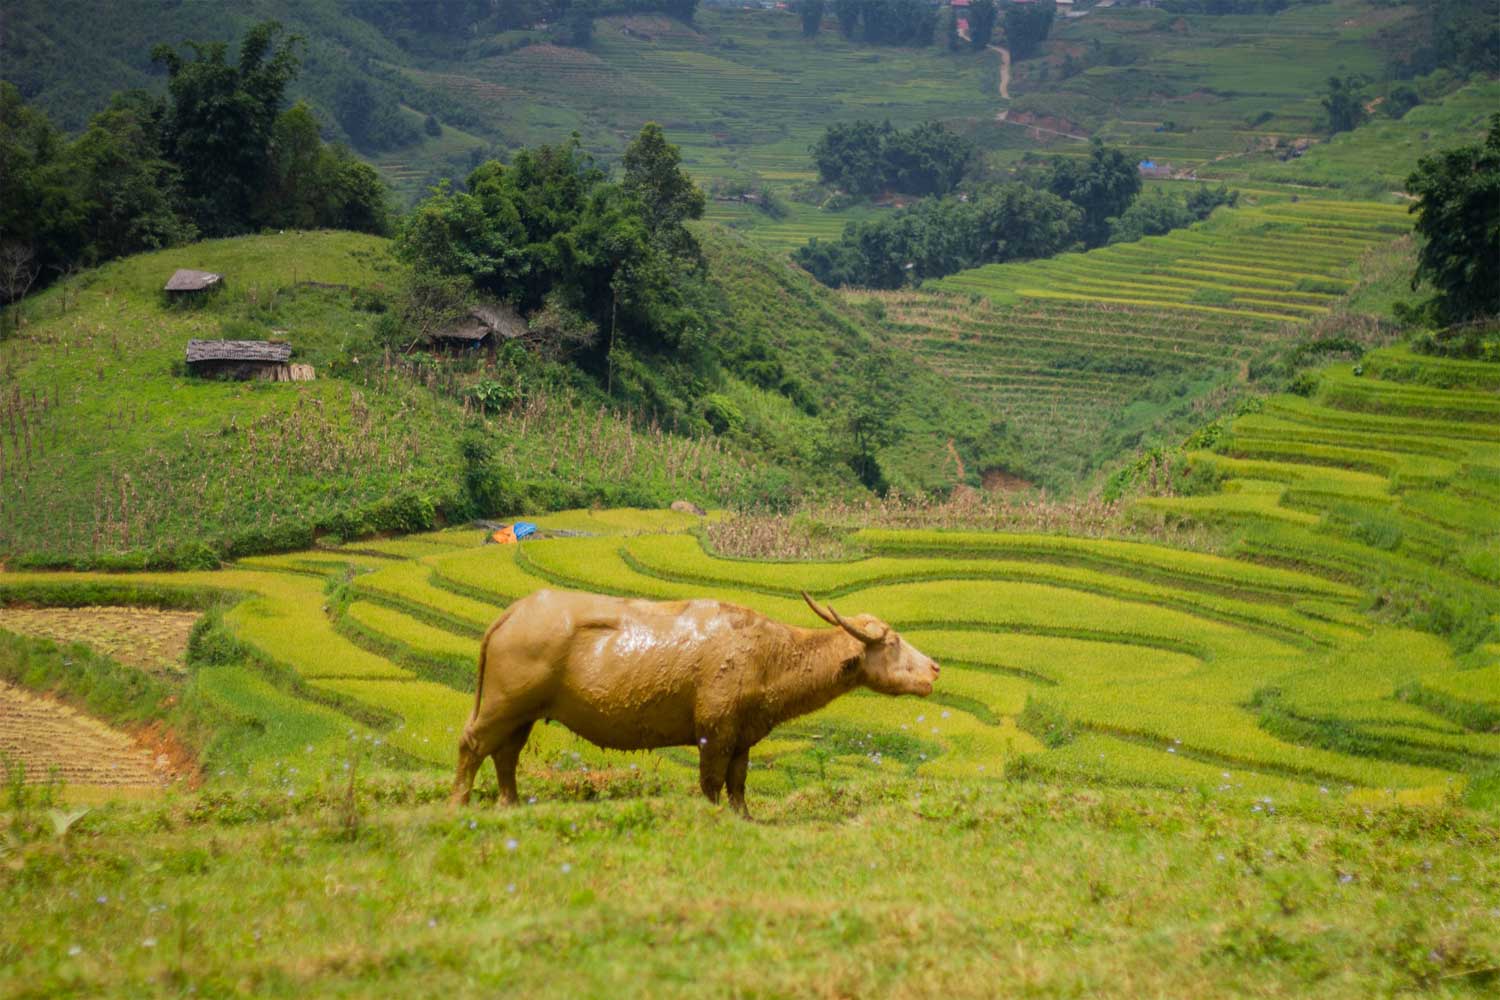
[[832, 617]]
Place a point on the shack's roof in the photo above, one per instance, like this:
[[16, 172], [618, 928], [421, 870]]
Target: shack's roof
[[187, 280], [274, 351], [497, 318]]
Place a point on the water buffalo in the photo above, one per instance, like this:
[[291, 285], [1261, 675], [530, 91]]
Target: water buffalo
[[635, 675]]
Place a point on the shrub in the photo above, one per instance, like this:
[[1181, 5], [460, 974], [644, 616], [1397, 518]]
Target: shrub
[[1046, 722]]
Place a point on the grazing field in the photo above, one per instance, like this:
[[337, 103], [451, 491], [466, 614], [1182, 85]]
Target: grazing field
[[1145, 769]]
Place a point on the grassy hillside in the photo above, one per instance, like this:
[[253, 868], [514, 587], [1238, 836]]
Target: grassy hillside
[[1376, 157], [1279, 763], [109, 447], [1187, 89]]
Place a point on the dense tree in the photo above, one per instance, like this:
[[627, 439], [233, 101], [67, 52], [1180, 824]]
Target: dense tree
[[1460, 35], [218, 156], [1103, 186], [220, 119], [1342, 104], [1458, 216], [41, 212], [550, 230], [811, 12], [668, 196], [683, 10], [851, 155], [847, 12], [371, 116], [864, 158], [1027, 27], [578, 27], [1160, 212], [129, 190], [941, 236], [982, 17]]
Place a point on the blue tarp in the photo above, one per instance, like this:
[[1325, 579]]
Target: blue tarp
[[523, 529]]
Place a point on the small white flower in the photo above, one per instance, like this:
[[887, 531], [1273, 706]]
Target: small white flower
[[150, 942], [921, 718], [946, 713], [75, 950], [1171, 749], [432, 921], [101, 900], [703, 741], [566, 868], [531, 800], [511, 845], [473, 823], [510, 887]]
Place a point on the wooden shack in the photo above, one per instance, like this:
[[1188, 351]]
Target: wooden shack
[[186, 283], [483, 326], [268, 360]]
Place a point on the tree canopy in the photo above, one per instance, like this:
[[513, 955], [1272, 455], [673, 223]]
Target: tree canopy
[[1027, 27], [1103, 186], [864, 158], [1458, 217], [550, 229], [940, 236]]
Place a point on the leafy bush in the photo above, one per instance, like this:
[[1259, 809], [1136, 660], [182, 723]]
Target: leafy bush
[[1046, 722]]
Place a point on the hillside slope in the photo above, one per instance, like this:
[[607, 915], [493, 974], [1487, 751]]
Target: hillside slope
[[108, 446]]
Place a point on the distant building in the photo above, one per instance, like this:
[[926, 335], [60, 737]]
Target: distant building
[[483, 325], [268, 360], [186, 282], [1150, 168]]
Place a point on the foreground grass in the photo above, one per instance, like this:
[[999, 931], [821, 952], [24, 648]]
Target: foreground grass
[[904, 887]]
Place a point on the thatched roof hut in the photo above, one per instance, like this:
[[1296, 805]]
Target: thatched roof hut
[[185, 281], [483, 323], [245, 359]]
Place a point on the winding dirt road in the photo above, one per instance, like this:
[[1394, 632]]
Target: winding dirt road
[[1004, 70]]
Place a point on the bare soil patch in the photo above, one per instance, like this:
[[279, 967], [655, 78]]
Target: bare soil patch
[[52, 741], [152, 640]]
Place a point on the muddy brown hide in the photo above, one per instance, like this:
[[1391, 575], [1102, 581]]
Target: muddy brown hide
[[637, 675]]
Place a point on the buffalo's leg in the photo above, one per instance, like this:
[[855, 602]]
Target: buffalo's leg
[[506, 756], [713, 768], [469, 761], [739, 766]]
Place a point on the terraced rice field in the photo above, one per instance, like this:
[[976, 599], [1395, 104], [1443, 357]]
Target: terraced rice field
[[1069, 348], [1279, 263], [1259, 674], [147, 638], [55, 743]]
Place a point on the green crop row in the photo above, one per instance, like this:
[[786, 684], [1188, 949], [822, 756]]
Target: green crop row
[[1179, 566]]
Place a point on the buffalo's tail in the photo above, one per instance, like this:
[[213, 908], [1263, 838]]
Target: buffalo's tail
[[484, 648]]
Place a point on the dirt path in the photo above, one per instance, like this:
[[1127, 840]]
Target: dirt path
[[52, 739], [1004, 70]]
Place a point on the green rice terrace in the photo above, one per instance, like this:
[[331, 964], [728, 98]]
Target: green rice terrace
[[1259, 672], [1077, 345]]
